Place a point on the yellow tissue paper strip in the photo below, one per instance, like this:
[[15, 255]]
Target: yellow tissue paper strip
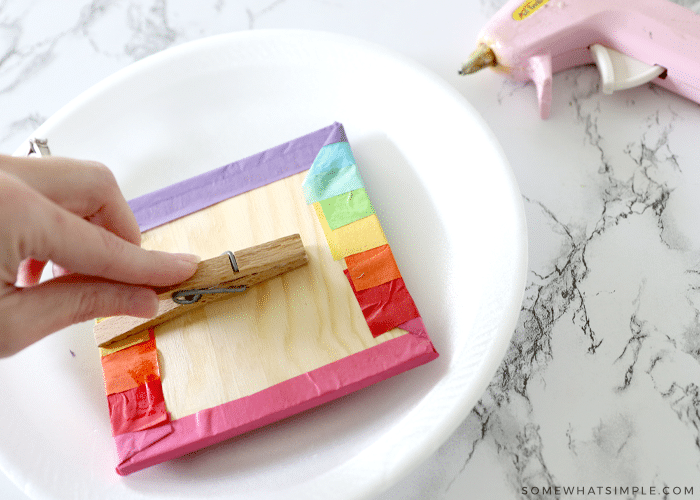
[[137, 338], [359, 236]]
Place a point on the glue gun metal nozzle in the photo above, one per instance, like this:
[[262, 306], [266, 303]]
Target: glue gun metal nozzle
[[481, 58]]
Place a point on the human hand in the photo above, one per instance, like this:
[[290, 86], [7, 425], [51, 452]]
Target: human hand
[[72, 213]]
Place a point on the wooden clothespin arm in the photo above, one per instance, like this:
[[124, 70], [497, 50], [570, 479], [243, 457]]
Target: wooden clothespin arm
[[211, 282]]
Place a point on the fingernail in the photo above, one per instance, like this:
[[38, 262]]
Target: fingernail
[[189, 258]]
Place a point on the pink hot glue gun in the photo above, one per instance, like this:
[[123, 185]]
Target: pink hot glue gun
[[631, 41]]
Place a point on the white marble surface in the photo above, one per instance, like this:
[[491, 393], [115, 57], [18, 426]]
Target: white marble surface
[[600, 387]]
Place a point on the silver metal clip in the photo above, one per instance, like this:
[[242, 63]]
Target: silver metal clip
[[192, 296], [39, 147]]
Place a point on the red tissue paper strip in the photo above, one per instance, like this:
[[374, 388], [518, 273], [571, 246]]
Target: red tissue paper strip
[[138, 408], [385, 306]]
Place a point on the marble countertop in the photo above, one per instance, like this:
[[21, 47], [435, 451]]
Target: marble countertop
[[600, 389]]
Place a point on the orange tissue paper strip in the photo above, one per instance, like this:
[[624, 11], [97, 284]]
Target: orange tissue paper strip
[[131, 367], [372, 268]]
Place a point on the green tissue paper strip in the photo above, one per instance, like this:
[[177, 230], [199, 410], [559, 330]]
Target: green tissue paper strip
[[346, 208]]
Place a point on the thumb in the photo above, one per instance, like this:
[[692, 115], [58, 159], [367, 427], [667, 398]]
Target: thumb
[[30, 314]]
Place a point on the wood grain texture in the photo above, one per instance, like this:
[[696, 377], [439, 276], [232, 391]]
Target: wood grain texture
[[279, 329], [255, 265]]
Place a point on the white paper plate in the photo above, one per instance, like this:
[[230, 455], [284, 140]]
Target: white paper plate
[[446, 199]]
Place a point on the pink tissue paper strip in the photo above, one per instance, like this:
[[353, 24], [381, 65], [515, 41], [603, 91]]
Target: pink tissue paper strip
[[131, 443], [415, 327], [285, 399]]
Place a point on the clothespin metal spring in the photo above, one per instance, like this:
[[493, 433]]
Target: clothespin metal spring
[[192, 296]]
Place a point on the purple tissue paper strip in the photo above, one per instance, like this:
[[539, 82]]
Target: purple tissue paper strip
[[191, 195], [336, 135]]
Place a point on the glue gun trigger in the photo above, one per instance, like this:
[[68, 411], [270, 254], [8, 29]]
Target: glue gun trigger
[[619, 71]]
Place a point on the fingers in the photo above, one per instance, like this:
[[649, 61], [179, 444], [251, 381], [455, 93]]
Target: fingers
[[30, 314], [73, 214], [58, 271], [88, 189], [42, 230]]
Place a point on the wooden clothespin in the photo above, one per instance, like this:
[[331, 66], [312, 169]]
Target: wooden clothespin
[[213, 280]]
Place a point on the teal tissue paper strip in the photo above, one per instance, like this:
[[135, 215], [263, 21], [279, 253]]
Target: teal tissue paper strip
[[336, 155], [332, 173], [331, 183]]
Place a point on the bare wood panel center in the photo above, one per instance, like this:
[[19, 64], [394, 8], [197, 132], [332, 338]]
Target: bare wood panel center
[[277, 330]]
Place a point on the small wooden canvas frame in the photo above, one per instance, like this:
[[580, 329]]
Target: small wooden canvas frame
[[282, 347]]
